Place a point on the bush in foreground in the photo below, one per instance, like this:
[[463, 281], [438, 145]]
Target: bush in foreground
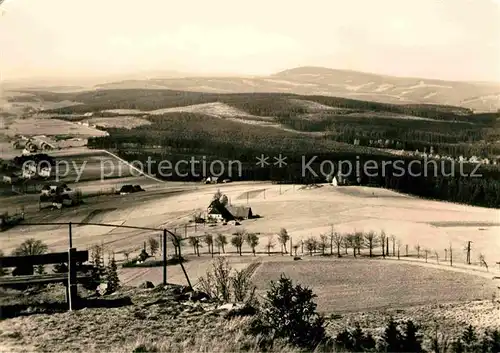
[[289, 313]]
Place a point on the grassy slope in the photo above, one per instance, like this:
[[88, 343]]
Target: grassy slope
[[371, 284], [156, 321]]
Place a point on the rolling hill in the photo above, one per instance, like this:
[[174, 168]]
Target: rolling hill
[[478, 96], [340, 83]]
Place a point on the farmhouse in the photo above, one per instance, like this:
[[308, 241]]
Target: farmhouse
[[54, 189], [128, 189], [220, 212], [211, 180], [240, 212], [337, 180]]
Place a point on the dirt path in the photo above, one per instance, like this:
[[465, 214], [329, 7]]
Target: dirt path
[[471, 270], [132, 167]]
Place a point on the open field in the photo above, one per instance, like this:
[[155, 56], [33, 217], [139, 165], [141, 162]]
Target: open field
[[51, 127], [126, 122], [303, 213], [352, 285]]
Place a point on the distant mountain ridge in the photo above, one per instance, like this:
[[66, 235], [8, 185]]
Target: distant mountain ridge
[[310, 80]]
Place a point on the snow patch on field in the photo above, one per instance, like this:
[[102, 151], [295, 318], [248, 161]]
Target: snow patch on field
[[290, 83], [422, 84], [127, 122], [383, 87], [358, 87], [313, 106], [217, 109], [432, 94]]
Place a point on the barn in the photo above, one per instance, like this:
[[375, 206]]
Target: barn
[[240, 212]]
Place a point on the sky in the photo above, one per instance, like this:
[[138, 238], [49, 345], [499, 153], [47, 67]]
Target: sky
[[445, 39]]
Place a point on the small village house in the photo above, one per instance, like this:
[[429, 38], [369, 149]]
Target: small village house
[[219, 212]]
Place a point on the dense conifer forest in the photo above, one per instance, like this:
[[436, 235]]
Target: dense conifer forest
[[349, 131]]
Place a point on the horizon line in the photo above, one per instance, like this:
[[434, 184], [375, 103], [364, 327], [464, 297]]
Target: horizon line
[[179, 74]]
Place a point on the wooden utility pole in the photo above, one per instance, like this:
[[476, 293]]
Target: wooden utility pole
[[451, 256], [468, 252], [164, 257], [406, 250], [70, 234]]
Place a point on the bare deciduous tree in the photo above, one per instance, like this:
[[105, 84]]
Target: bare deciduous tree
[[393, 239], [351, 240], [237, 240], [283, 239], [338, 239], [371, 241], [358, 240], [399, 247], [154, 245], [209, 240], [383, 239], [418, 248], [270, 244], [426, 251], [252, 241], [323, 239], [482, 262], [195, 243], [221, 241], [310, 245], [345, 243]]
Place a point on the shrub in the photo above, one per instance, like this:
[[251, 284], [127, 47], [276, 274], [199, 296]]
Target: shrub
[[289, 313], [29, 247], [355, 340], [396, 340], [154, 245], [412, 341], [243, 288], [220, 283], [97, 269], [217, 281], [112, 279], [392, 337]]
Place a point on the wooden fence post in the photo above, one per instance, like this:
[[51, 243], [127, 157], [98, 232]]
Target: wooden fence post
[[71, 291], [182, 265]]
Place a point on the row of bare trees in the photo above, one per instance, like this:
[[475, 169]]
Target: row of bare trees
[[327, 244]]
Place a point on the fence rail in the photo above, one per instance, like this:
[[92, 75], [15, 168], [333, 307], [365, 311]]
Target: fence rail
[[164, 235]]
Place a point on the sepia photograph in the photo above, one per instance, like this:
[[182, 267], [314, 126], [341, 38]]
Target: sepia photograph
[[250, 176]]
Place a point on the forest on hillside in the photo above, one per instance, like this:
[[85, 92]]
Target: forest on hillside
[[180, 136], [449, 130]]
